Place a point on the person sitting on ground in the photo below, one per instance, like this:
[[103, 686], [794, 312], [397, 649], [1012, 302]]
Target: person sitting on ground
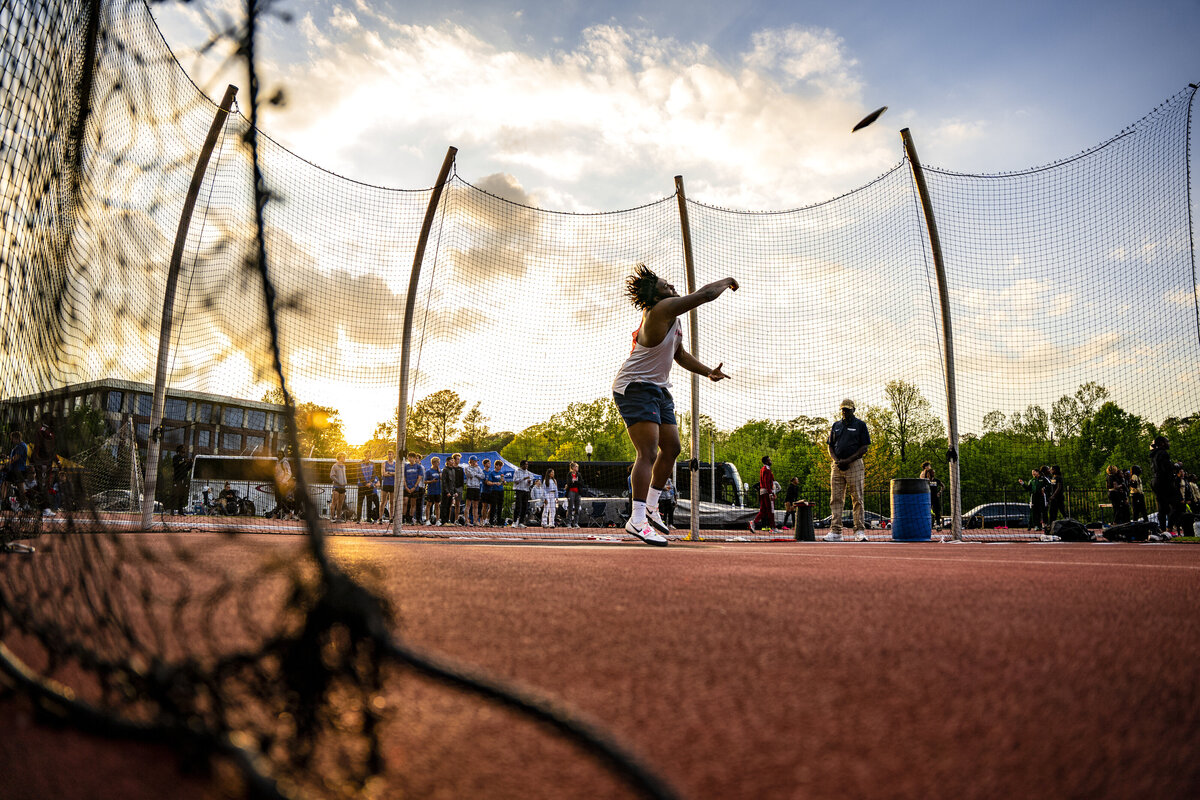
[[227, 500]]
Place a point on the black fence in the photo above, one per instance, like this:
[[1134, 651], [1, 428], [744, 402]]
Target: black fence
[[1085, 505]]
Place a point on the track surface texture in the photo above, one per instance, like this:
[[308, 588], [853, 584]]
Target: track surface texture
[[773, 670]]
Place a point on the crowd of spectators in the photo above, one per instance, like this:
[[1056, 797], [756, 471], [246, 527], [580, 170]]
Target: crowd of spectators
[[473, 494]]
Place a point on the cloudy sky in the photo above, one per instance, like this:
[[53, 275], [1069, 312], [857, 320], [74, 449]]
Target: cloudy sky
[[597, 105], [573, 106]]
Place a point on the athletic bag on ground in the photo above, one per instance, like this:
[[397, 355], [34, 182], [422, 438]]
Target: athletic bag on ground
[[1130, 531], [1070, 530]]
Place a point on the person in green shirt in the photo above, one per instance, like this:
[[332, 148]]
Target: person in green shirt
[[1037, 486]]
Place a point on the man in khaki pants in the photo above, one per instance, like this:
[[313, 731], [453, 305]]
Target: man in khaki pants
[[848, 443]]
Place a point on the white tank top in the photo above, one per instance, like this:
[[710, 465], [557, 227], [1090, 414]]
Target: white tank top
[[650, 364]]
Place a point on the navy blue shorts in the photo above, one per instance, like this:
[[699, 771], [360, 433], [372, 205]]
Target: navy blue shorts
[[645, 402]]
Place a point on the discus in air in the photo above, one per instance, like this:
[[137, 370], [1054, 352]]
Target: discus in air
[[868, 119]]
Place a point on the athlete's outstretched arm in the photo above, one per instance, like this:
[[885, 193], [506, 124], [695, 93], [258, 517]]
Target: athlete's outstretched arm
[[689, 362], [674, 306]]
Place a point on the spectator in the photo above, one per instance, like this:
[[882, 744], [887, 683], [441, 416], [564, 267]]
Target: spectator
[[414, 481], [935, 494], [285, 487], [789, 503], [550, 492], [1056, 496], [766, 497], [450, 489], [337, 476], [494, 481], [433, 491], [1115, 483], [387, 508], [366, 489], [848, 442], [43, 455], [473, 477], [1137, 494], [522, 484], [460, 473], [538, 497], [1037, 499], [1193, 495], [573, 484], [484, 512], [227, 500], [1165, 483], [16, 473], [181, 472], [667, 501]]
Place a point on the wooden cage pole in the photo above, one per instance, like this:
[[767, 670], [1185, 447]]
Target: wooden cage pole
[[935, 245], [410, 304], [153, 446]]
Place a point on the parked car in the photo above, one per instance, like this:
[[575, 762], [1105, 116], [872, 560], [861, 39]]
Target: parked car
[[119, 500], [873, 521], [997, 515]]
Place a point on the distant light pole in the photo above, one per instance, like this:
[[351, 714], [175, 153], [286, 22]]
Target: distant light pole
[[588, 449]]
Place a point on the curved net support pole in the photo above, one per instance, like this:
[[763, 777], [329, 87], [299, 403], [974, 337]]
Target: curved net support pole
[[168, 315], [693, 327], [409, 306], [935, 245]]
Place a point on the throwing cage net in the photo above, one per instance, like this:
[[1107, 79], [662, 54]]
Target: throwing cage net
[[1073, 302]]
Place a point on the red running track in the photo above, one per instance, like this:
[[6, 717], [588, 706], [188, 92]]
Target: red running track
[[780, 670]]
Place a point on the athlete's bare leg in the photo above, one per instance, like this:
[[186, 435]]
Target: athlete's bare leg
[[645, 438], [668, 451]]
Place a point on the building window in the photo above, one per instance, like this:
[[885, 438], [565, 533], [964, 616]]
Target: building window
[[232, 418], [256, 420], [144, 402], [203, 438], [114, 402], [231, 441], [254, 445], [174, 436], [175, 408], [204, 413]]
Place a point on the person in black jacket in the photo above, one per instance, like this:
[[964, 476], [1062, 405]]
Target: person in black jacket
[[1164, 483], [1056, 495], [451, 483]]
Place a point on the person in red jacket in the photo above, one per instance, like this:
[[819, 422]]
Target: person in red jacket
[[766, 497]]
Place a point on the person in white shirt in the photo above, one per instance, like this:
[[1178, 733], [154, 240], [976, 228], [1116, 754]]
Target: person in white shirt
[[641, 390], [474, 477], [550, 494], [522, 484]]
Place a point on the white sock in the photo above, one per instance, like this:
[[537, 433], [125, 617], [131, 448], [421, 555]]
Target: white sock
[[639, 512], [652, 498]]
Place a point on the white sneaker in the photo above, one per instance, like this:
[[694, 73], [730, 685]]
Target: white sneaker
[[861, 536], [832, 536], [646, 533], [656, 521]]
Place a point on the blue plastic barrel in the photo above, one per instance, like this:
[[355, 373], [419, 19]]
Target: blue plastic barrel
[[911, 520]]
